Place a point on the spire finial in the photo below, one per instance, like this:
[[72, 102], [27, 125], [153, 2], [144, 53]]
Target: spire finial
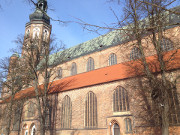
[[42, 5], [40, 12]]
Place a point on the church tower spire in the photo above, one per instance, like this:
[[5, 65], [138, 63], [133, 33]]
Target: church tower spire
[[39, 27], [42, 4], [40, 12]]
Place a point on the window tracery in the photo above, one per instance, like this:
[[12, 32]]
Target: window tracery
[[36, 32], [28, 33], [128, 125], [112, 59], [135, 54], [120, 100], [59, 73], [31, 109], [45, 34], [166, 44], [73, 69], [91, 110], [90, 64], [66, 113]]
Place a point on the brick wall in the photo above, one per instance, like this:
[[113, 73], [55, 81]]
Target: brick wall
[[122, 52], [104, 94]]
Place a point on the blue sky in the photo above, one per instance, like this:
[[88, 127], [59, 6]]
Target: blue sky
[[15, 14]]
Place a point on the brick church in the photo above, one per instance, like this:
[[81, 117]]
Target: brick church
[[95, 88]]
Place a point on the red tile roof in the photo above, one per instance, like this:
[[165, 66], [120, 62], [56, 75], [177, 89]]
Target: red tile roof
[[107, 74]]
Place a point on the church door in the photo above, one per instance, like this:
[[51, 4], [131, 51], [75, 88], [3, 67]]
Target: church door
[[33, 130], [26, 132], [116, 129]]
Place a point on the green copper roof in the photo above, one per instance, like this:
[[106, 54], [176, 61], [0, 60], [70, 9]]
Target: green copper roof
[[110, 39], [105, 41], [15, 55]]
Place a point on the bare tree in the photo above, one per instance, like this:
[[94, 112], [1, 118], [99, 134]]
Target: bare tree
[[156, 25], [13, 80], [149, 20], [153, 26], [40, 64]]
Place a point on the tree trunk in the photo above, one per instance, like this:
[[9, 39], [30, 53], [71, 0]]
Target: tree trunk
[[9, 119], [165, 131], [41, 118], [20, 118], [42, 129], [165, 118]]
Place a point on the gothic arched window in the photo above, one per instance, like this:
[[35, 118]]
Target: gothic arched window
[[26, 132], [135, 53], [59, 73], [112, 59], [174, 106], [17, 116], [66, 112], [48, 115], [128, 125], [31, 109], [90, 64], [36, 32], [33, 129], [91, 110], [120, 100], [45, 34], [166, 44], [73, 69], [27, 33]]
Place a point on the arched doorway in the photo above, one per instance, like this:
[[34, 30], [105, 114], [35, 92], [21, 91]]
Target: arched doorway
[[25, 129], [26, 132], [115, 129], [33, 130]]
